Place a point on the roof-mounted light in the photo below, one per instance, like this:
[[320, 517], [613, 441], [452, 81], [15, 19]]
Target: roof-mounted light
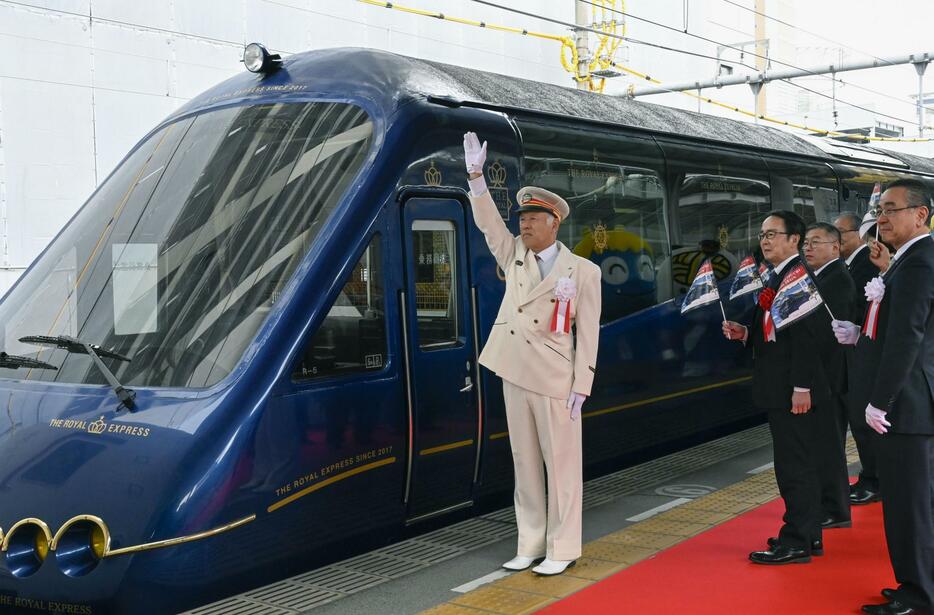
[[258, 60]]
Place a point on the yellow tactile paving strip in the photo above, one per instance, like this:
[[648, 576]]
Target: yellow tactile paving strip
[[524, 592]]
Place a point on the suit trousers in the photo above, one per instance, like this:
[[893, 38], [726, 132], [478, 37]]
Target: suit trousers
[[857, 400], [906, 475], [795, 441], [831, 451], [543, 437]]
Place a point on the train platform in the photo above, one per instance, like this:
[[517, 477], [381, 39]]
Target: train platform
[[668, 536]]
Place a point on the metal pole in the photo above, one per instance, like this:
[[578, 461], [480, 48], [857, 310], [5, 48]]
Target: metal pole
[[581, 18], [921, 67], [768, 75]]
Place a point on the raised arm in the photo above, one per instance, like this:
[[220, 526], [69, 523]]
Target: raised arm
[[498, 238]]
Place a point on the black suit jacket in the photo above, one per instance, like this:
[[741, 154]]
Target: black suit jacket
[[861, 270], [902, 355], [790, 361], [838, 291]]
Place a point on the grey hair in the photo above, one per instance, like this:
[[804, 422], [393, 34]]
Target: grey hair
[[852, 219]]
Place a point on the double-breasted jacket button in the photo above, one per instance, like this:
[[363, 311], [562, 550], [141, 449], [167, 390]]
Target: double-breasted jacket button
[[552, 300], [520, 310], [536, 321], [512, 333]]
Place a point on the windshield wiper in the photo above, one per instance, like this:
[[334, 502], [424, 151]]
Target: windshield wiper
[[71, 344], [12, 361]]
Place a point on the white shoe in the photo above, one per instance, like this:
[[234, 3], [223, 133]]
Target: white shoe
[[520, 563], [552, 567]]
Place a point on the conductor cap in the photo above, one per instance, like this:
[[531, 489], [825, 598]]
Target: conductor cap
[[531, 198]]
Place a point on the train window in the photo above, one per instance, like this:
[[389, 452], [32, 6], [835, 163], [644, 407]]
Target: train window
[[352, 337], [721, 196], [810, 190], [858, 184], [435, 282], [720, 217], [618, 216], [179, 257]]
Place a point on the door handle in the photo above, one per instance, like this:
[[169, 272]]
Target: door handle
[[468, 385]]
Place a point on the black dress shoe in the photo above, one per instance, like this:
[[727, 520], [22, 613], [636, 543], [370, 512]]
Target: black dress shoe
[[817, 547], [892, 608], [780, 554], [889, 593], [864, 496], [832, 522]]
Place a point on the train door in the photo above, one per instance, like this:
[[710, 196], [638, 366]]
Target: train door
[[440, 359]]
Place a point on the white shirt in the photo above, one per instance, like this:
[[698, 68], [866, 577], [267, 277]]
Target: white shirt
[[781, 265], [546, 259], [849, 259], [907, 245]]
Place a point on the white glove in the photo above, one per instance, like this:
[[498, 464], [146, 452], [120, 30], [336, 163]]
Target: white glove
[[845, 331], [474, 153], [875, 418], [575, 401]]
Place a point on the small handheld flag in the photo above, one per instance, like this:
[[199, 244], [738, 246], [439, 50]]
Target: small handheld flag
[[796, 298], [874, 199], [703, 289], [747, 279]]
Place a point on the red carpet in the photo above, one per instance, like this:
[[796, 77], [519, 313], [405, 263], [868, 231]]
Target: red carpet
[[710, 573]]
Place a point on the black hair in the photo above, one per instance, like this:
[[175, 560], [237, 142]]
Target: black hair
[[830, 229], [794, 225]]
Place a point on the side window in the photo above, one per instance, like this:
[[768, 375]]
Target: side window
[[720, 217], [810, 190], [858, 183], [436, 300], [352, 337], [618, 216]]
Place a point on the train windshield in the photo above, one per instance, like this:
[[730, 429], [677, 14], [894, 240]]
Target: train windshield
[[179, 256]]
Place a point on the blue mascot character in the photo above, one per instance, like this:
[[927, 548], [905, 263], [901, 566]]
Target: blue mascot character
[[628, 266]]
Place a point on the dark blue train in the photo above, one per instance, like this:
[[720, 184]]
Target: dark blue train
[[256, 344]]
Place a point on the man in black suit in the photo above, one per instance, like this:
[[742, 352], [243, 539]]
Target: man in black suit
[[822, 253], [901, 404], [854, 249], [788, 383]]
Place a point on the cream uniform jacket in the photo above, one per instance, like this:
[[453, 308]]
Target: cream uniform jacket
[[521, 348]]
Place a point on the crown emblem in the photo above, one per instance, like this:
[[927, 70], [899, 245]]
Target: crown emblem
[[526, 197], [497, 175], [98, 426], [599, 237], [432, 175]]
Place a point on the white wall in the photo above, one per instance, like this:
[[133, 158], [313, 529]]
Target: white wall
[[82, 80]]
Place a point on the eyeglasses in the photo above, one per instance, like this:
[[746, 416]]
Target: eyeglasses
[[878, 213], [770, 235], [807, 243]]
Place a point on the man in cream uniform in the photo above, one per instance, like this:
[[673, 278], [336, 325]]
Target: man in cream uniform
[[546, 376]]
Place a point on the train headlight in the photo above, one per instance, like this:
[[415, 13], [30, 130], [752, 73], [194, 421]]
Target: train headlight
[[26, 546], [258, 60], [81, 544]]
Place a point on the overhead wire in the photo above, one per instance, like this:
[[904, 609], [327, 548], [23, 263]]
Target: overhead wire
[[627, 38], [442, 16], [767, 58]]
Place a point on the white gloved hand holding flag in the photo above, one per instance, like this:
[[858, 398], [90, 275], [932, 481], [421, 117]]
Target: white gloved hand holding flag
[[845, 331], [575, 401]]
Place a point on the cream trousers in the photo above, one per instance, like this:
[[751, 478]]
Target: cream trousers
[[543, 437]]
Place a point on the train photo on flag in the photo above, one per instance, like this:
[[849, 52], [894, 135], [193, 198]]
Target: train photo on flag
[[253, 351]]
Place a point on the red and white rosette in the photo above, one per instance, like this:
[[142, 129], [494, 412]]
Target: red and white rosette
[[565, 292], [875, 290]]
